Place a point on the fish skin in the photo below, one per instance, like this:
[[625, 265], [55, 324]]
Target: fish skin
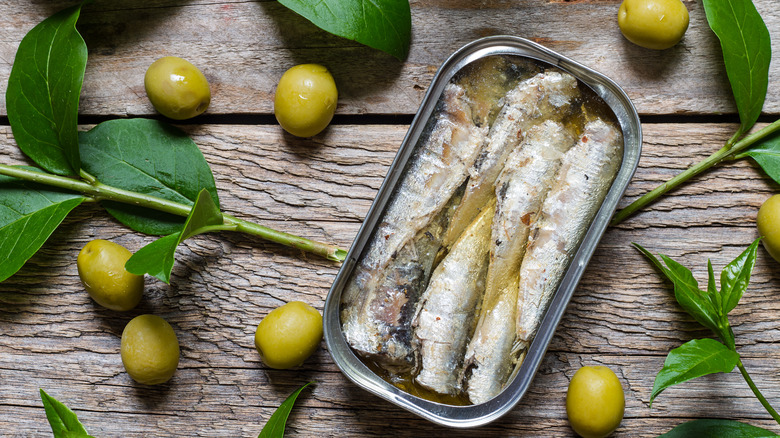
[[389, 318], [520, 189], [489, 357], [436, 171], [447, 309], [531, 101], [586, 174], [490, 79]]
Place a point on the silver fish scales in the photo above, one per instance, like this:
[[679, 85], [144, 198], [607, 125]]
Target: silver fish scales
[[444, 321], [490, 356], [543, 96], [378, 302], [520, 189], [586, 174]]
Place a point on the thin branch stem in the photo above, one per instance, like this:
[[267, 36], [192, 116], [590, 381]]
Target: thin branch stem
[[757, 393], [98, 192], [330, 252], [735, 137], [723, 154], [87, 177]]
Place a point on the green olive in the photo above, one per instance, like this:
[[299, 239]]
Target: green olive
[[305, 100], [288, 335], [768, 222], [654, 24], [101, 266], [595, 402], [150, 350], [177, 89]]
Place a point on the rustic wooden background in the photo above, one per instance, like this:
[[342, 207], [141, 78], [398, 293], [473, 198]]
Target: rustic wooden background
[[622, 315]]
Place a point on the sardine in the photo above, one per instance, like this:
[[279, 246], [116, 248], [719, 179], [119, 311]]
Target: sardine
[[433, 176], [446, 314], [387, 321], [520, 189], [491, 354], [544, 96], [586, 174]]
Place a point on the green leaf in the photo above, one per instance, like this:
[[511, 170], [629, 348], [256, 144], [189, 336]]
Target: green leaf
[[156, 258], [652, 258], [717, 428], [64, 423], [735, 277], [29, 214], [747, 52], [204, 214], [381, 24], [149, 157], [274, 428], [42, 98], [712, 290], [695, 358], [767, 155], [686, 290]]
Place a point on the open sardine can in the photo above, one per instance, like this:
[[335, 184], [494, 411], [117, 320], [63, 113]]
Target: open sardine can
[[358, 367]]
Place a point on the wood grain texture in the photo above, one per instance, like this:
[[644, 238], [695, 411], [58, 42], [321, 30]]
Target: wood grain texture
[[622, 314], [243, 47]]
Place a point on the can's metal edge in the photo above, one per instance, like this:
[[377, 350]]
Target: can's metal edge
[[477, 415]]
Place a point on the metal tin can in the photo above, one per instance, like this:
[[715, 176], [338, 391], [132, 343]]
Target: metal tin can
[[480, 414]]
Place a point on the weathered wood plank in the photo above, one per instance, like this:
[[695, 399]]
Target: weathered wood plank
[[244, 47], [622, 314], [233, 401]]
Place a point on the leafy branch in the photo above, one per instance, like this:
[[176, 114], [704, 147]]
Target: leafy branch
[[148, 174], [746, 48], [747, 52], [710, 308]]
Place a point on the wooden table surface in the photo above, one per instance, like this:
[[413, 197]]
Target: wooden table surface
[[622, 315]]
